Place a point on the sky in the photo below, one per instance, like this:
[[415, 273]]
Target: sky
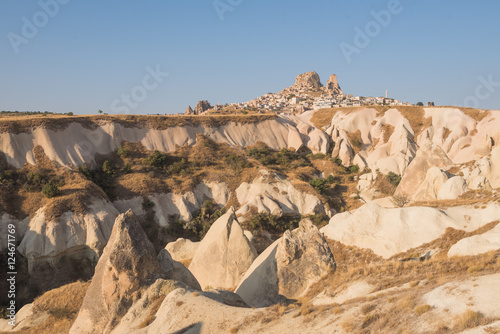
[[156, 57]]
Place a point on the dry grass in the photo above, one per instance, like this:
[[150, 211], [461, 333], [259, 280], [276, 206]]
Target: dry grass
[[154, 306], [468, 319], [62, 305], [355, 141], [387, 131], [421, 309], [25, 124]]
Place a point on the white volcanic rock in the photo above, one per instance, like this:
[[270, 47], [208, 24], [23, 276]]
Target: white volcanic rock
[[176, 270], [127, 266], [223, 255], [70, 233], [76, 144], [288, 267], [477, 244], [182, 206], [452, 188], [479, 294], [389, 231], [271, 193], [182, 249], [214, 311], [429, 188], [429, 155]]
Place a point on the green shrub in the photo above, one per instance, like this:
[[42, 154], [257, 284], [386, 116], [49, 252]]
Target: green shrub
[[127, 169], [122, 151], [319, 184], [393, 178], [353, 169], [156, 159], [271, 223], [236, 162], [50, 190], [337, 161]]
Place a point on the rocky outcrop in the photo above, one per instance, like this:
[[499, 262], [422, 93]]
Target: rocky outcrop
[[82, 236], [307, 82], [223, 255], [389, 231], [288, 267], [189, 111], [429, 155], [477, 244], [333, 85], [201, 107], [182, 249], [127, 266], [176, 270], [271, 193], [77, 144]]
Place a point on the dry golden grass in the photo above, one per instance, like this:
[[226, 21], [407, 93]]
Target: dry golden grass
[[62, 305], [355, 141], [154, 306], [20, 124], [421, 309], [387, 131], [468, 319]]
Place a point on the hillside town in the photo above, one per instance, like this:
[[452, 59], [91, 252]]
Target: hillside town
[[308, 93]]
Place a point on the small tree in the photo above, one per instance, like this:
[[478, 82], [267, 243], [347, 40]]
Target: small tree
[[50, 190], [100, 111], [127, 169], [420, 104], [401, 200]]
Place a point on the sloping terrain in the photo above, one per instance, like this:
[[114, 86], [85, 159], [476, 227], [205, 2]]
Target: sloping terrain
[[407, 198]]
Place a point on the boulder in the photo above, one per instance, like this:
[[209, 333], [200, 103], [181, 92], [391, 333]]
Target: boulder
[[452, 188], [176, 270], [182, 249], [288, 267], [223, 255], [128, 266], [389, 231], [477, 244]]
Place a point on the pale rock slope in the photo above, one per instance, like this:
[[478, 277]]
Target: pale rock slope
[[428, 156], [77, 145], [480, 294], [69, 234], [288, 267], [391, 231], [224, 254], [477, 244], [182, 249], [271, 193], [375, 153]]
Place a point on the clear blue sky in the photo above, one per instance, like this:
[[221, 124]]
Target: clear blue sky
[[91, 52]]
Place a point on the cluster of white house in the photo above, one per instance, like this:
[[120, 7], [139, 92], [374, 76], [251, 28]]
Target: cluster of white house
[[280, 102]]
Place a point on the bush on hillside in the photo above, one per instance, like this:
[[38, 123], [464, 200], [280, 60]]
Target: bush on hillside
[[50, 190], [393, 178]]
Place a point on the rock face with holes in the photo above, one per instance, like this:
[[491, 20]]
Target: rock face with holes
[[333, 85], [223, 255], [288, 267], [306, 82]]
